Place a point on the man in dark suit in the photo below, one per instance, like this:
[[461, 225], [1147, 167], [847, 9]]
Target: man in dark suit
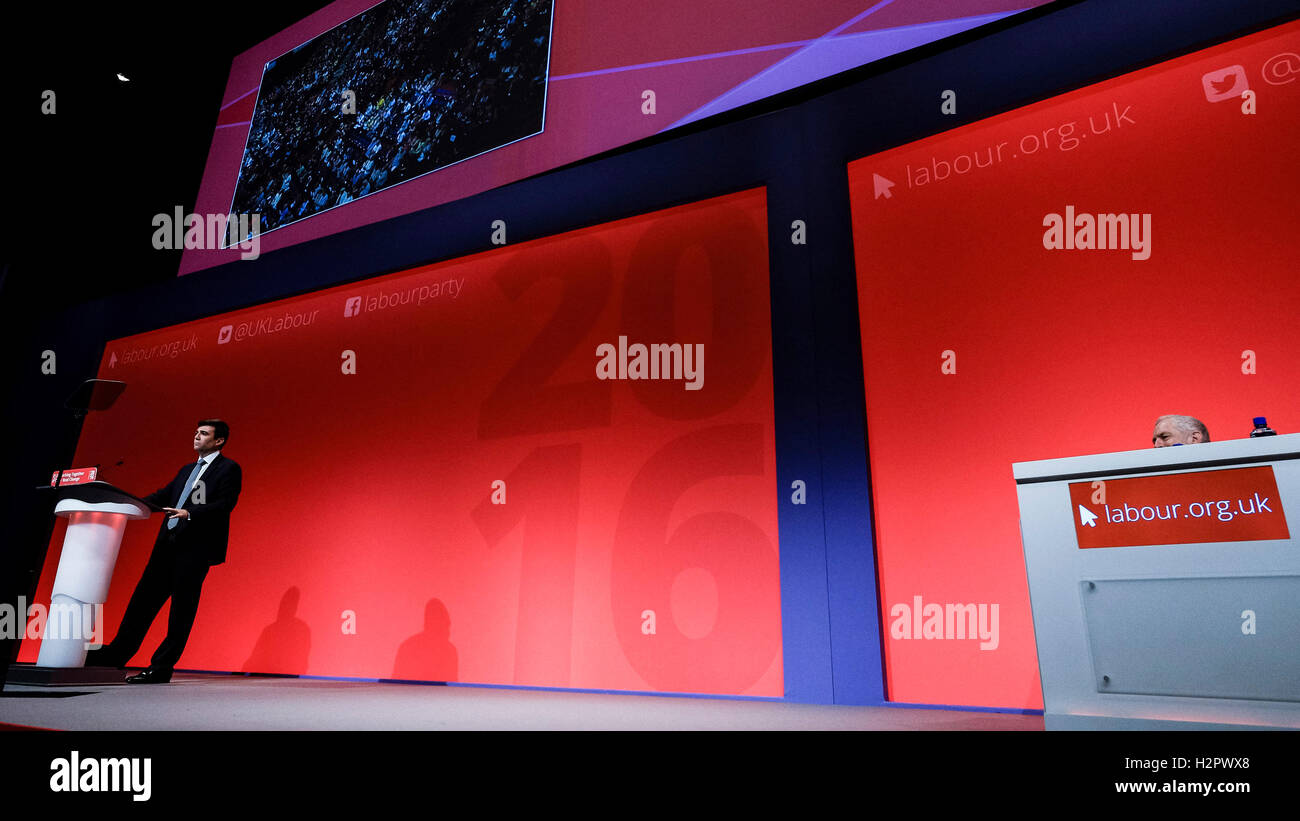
[[190, 541]]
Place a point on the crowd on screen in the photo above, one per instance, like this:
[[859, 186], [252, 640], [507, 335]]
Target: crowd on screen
[[435, 82]]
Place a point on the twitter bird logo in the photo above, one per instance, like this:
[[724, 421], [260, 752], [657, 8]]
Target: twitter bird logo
[[1224, 84]]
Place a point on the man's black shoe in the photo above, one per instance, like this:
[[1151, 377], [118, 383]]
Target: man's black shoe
[[149, 676]]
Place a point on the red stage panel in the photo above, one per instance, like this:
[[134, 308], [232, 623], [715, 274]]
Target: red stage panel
[[636, 548], [1009, 314]]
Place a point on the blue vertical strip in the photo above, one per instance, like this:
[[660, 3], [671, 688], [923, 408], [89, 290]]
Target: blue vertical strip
[[828, 583], [856, 658], [805, 616]]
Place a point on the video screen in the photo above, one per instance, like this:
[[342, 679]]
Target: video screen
[[550, 464], [451, 95], [400, 90], [1047, 283]]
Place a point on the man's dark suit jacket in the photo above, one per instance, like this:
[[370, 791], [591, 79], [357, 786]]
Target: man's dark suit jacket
[[205, 533]]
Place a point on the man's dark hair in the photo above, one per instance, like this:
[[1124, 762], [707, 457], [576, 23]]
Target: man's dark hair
[[220, 430]]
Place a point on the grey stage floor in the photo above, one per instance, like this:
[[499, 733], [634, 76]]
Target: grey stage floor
[[224, 702]]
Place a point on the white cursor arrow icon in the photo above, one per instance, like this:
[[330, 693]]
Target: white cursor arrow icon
[[1087, 517], [882, 186]]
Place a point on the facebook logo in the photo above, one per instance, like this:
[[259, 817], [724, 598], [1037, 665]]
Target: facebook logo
[[352, 307]]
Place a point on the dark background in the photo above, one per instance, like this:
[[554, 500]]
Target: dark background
[[91, 176]]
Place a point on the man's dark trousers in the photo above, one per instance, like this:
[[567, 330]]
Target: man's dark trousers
[[168, 573]]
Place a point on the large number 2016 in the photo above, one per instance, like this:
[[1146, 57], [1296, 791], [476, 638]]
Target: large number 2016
[[544, 485]]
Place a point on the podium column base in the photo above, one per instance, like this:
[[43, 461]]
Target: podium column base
[[35, 674]]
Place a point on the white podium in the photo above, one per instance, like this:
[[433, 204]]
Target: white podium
[[97, 514], [1165, 585]]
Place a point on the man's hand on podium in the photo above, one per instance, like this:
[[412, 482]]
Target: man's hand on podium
[[176, 513]]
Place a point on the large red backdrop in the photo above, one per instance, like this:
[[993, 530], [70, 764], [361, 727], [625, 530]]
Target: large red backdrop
[[982, 346], [473, 503]]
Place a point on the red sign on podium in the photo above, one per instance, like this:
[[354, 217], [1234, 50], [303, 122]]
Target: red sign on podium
[[74, 476], [1234, 505]]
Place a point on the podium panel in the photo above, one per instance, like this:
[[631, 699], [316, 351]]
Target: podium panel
[[1165, 637], [97, 514], [1165, 585]]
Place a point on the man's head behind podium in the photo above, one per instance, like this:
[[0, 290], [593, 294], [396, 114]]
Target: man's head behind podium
[[1173, 429], [210, 435]]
